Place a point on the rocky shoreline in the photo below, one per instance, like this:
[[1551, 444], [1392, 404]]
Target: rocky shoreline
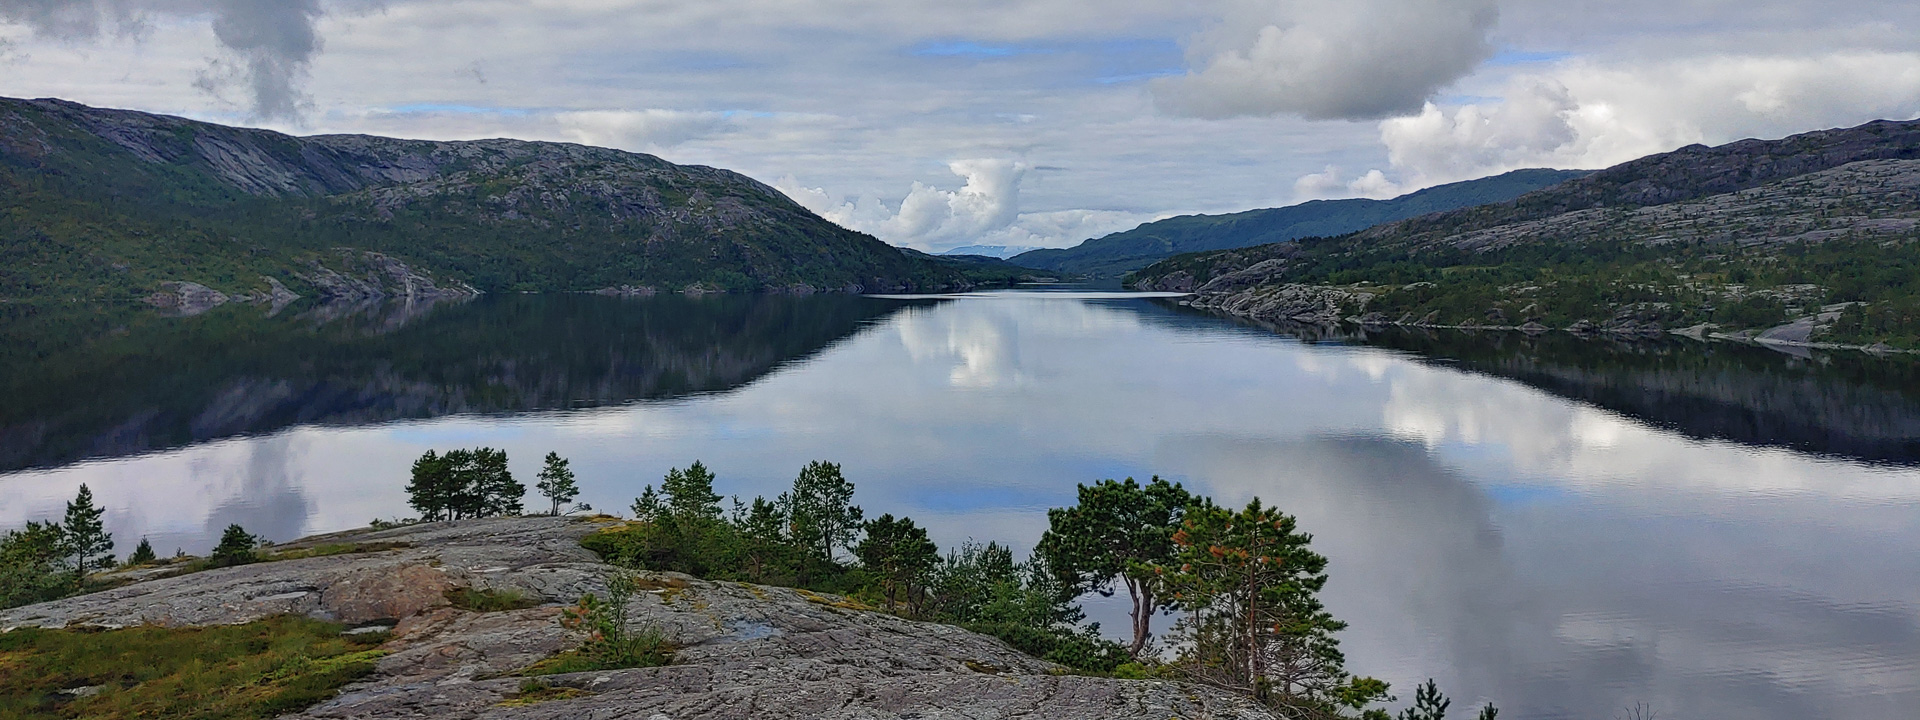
[[745, 651], [1329, 307]]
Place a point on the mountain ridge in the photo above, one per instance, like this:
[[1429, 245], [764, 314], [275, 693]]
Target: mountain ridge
[[1805, 240], [110, 204], [1121, 252]]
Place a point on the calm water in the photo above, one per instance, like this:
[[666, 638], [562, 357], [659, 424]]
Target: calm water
[[1565, 528]]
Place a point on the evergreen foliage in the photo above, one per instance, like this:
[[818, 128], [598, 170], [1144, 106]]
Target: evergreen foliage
[[237, 547], [1254, 623], [607, 641], [898, 554], [33, 564], [464, 484], [556, 482], [143, 554], [1116, 534], [89, 546], [899, 568], [820, 510]]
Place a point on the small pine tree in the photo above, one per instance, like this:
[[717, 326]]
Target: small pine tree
[[899, 553], [821, 510], [1428, 703], [649, 507], [556, 482], [689, 495], [143, 554], [430, 492], [236, 548], [88, 543]]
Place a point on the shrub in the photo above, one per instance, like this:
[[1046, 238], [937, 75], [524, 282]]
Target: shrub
[[237, 547], [607, 644]]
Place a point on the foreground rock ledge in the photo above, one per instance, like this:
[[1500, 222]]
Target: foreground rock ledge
[[749, 651]]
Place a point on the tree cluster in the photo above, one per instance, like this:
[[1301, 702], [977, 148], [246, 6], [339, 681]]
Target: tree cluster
[[798, 539], [47, 560], [464, 484]]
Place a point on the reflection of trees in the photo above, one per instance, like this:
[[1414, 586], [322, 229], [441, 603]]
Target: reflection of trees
[[91, 383], [1841, 403]]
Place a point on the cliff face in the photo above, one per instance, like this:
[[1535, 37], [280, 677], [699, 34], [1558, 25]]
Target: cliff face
[[746, 651], [112, 203]]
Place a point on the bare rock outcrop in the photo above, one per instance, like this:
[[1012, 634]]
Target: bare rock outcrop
[[746, 651]]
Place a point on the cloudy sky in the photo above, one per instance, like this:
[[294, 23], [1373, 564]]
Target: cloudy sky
[[934, 123]]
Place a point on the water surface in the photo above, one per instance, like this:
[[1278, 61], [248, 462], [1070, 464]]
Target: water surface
[[1565, 528]]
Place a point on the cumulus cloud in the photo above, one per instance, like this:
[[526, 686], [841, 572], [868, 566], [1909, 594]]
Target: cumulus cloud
[[1331, 183], [929, 218], [1329, 59], [1586, 115], [269, 45], [641, 129]]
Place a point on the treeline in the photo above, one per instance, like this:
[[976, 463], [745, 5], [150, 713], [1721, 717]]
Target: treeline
[[48, 560], [1244, 580]]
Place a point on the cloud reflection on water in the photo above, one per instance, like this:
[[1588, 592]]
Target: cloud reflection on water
[[1555, 557]]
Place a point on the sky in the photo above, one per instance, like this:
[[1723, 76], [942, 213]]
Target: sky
[[934, 124]]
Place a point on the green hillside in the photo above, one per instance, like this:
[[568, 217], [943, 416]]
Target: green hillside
[[113, 205], [1813, 238], [1122, 252]]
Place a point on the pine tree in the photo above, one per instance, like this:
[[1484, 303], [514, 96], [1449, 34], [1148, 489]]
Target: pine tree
[[1254, 624], [556, 482], [497, 493], [88, 544], [236, 548], [821, 510], [143, 555], [899, 552], [1117, 532], [430, 492], [689, 494]]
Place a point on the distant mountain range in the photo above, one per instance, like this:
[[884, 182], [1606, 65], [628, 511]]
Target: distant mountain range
[[1117, 254], [113, 204], [996, 251], [1810, 239]]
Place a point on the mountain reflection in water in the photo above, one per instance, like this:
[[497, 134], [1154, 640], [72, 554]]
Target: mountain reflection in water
[[1563, 527], [87, 383], [1842, 403]]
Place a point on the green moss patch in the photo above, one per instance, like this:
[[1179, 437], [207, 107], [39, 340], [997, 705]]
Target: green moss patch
[[257, 670]]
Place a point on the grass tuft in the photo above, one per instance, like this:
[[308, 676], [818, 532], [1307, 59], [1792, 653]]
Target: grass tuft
[[260, 669]]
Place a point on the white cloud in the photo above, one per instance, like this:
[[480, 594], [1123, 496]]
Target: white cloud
[[1586, 115], [640, 129], [929, 218], [1330, 59], [1331, 183], [984, 211]]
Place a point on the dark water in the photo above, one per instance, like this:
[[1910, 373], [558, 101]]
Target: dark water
[[1564, 527]]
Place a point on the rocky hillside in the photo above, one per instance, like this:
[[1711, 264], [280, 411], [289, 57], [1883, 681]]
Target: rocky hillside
[[744, 651], [1808, 239], [1117, 254], [114, 204]]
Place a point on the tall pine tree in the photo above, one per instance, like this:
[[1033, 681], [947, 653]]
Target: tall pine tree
[[556, 482], [89, 546]]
